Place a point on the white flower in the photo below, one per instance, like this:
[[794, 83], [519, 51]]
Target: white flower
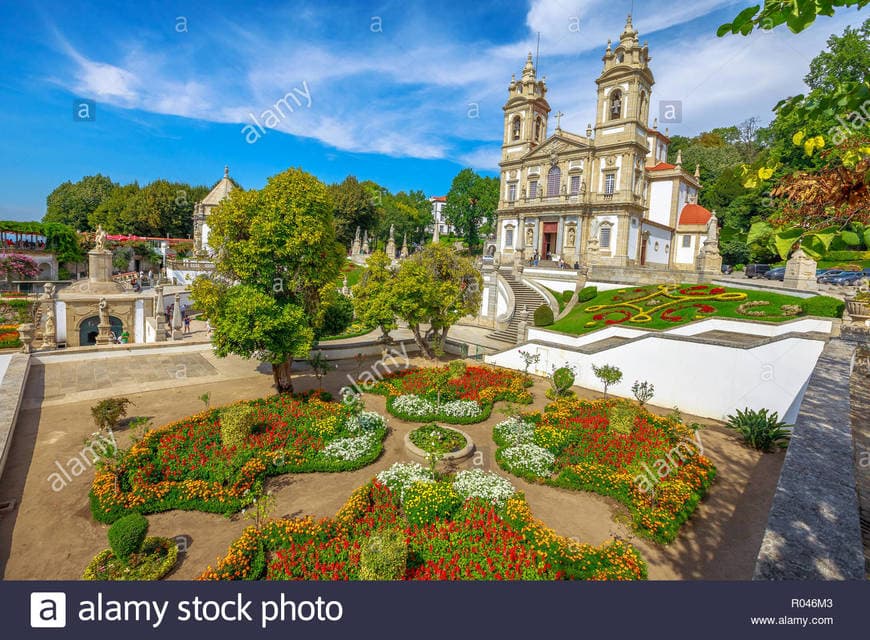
[[365, 422], [486, 485], [402, 475], [515, 431], [416, 406], [529, 458], [350, 449], [461, 409]]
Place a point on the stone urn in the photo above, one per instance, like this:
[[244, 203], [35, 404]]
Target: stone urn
[[858, 310], [26, 334]]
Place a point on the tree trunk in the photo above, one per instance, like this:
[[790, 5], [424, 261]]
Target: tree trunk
[[281, 376], [422, 342]]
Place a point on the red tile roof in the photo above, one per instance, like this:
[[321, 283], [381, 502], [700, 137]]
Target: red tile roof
[[662, 166], [694, 214], [439, 198]]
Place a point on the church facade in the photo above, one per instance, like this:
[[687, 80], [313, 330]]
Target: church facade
[[606, 198]]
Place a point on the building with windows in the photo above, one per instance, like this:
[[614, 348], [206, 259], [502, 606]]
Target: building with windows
[[606, 199], [438, 203]]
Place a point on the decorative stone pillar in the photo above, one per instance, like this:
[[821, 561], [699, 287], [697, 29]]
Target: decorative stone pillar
[[709, 260], [800, 272], [404, 252], [391, 244], [49, 333], [25, 335], [159, 314], [357, 245], [365, 244], [519, 254], [177, 320]]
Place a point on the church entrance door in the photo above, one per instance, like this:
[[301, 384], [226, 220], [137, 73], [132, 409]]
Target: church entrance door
[[548, 240]]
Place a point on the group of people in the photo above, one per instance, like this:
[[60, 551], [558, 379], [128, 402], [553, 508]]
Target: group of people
[[185, 316], [536, 258]]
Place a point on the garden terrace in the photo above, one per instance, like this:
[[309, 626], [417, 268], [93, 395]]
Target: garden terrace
[[649, 463], [664, 306], [478, 541], [184, 465]]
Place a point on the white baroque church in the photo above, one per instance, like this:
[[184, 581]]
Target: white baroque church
[[607, 200]]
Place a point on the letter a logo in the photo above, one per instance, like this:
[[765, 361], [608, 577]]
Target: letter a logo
[[47, 610]]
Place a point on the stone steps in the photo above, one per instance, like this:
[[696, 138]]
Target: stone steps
[[524, 297]]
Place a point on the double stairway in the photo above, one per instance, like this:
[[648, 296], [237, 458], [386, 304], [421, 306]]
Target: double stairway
[[525, 297]]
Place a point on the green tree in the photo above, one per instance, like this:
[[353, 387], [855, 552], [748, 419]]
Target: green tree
[[410, 213], [373, 296], [435, 287], [471, 204], [354, 207], [72, 202], [276, 257], [847, 59], [796, 14]]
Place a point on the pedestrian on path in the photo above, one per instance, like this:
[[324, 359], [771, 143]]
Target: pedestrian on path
[[186, 324]]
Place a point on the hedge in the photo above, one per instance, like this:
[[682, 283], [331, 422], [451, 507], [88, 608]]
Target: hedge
[[544, 316], [587, 294], [823, 306]]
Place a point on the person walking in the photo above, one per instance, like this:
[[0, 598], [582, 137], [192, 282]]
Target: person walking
[[186, 323]]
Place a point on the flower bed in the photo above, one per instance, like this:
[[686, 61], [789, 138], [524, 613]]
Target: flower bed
[[184, 465], [478, 541], [156, 558], [467, 398], [654, 468], [9, 338], [435, 439]]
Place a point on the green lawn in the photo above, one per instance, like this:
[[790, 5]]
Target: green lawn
[[667, 306], [561, 298], [352, 271]]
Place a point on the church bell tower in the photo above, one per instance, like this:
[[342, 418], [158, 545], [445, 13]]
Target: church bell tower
[[525, 113]]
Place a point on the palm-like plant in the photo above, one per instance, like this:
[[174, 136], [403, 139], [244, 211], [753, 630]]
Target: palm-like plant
[[759, 429]]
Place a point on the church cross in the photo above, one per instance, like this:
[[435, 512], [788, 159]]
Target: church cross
[[559, 115]]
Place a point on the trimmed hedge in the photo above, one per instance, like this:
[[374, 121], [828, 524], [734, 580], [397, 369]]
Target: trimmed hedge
[[824, 306], [587, 293], [156, 558], [485, 411], [544, 316], [127, 534]]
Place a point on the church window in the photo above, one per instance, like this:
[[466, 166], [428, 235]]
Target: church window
[[616, 104], [508, 238], [515, 128], [604, 239], [575, 185], [533, 188], [512, 192], [539, 126], [554, 178], [609, 183], [687, 241], [642, 106]]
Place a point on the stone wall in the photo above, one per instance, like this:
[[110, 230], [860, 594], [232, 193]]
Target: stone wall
[[813, 530]]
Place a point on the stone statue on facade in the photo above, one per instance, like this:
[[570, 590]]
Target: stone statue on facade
[[713, 230], [104, 311]]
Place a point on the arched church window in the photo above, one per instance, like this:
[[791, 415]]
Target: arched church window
[[615, 104], [515, 128], [539, 126], [554, 178]]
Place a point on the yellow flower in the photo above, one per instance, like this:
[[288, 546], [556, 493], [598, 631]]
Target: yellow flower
[[798, 138]]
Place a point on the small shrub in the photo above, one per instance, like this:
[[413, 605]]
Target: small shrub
[[739, 267], [237, 421], [562, 380], [566, 296], [608, 375], [337, 316], [544, 316], [643, 391], [823, 306], [759, 429], [127, 534], [384, 556], [107, 413], [587, 293]]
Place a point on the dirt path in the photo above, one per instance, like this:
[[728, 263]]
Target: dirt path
[[51, 535]]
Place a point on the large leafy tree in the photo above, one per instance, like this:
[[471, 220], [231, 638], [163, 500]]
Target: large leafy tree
[[373, 296], [471, 204], [408, 212], [796, 14], [72, 202], [276, 257], [160, 208], [433, 290], [354, 207]]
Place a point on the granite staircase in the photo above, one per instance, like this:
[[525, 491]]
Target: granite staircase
[[525, 298]]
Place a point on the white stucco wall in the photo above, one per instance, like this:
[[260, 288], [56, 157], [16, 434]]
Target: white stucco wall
[[501, 305], [633, 235], [60, 320], [660, 194], [686, 255], [139, 322], [702, 379], [657, 248]]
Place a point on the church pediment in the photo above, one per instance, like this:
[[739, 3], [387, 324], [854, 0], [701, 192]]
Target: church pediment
[[556, 145]]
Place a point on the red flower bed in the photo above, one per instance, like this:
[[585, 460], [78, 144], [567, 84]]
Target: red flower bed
[[481, 384]]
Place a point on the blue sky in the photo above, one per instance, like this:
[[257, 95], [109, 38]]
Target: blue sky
[[384, 90]]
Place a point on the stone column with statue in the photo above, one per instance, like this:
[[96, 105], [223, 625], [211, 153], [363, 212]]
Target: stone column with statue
[[391, 244], [709, 260], [800, 272], [49, 332], [357, 244], [104, 328], [177, 320]]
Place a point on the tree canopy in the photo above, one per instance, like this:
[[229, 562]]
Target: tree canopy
[[471, 204]]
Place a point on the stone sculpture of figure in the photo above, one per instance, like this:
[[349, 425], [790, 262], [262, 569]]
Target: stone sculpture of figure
[[530, 237], [392, 229], [713, 230], [49, 321], [49, 289], [104, 311], [100, 238], [572, 236], [564, 189], [356, 237], [582, 186]]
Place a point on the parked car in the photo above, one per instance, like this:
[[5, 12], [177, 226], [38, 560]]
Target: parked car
[[830, 273], [866, 272], [848, 278], [755, 270], [777, 273], [821, 271], [727, 269]]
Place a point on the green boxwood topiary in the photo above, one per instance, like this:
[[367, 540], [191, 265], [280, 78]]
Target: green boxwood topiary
[[587, 293], [823, 306], [237, 421], [563, 380], [127, 534], [544, 316]]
